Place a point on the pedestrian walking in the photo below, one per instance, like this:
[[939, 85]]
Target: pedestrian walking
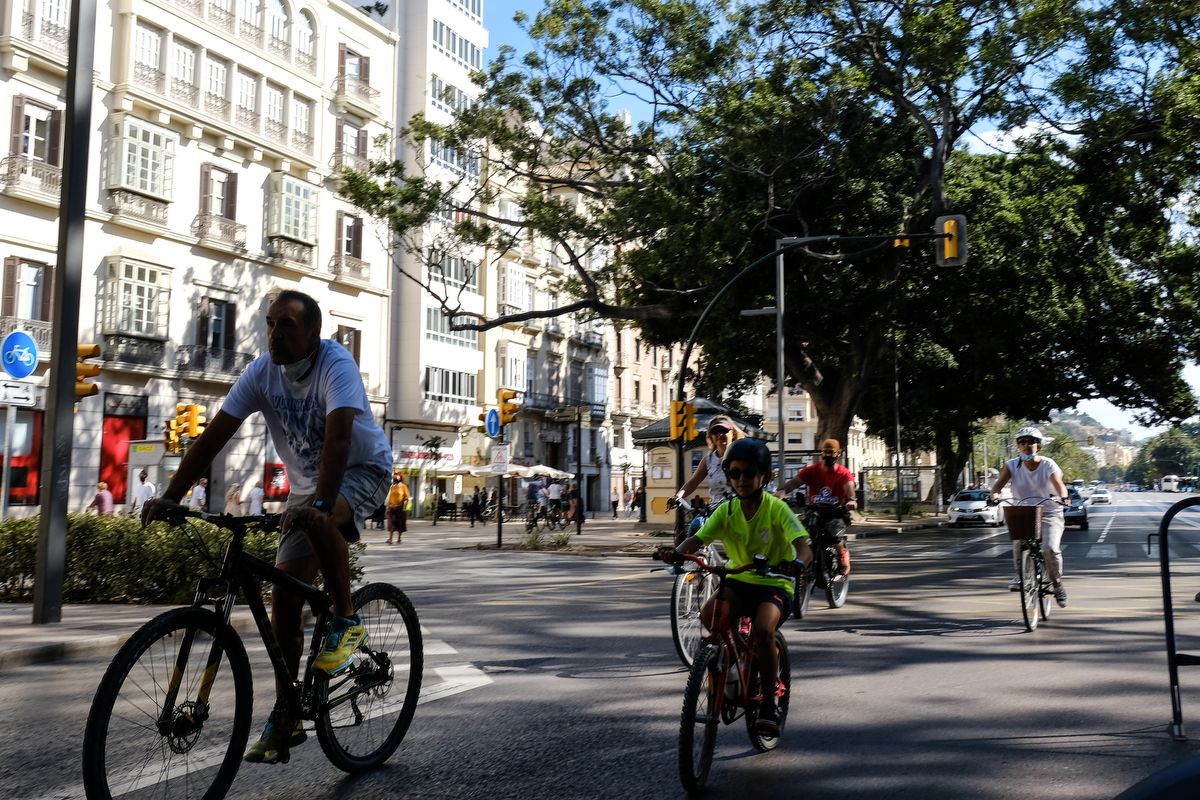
[[145, 490], [614, 497], [103, 501], [200, 495], [233, 500], [254, 500], [397, 508], [628, 501]]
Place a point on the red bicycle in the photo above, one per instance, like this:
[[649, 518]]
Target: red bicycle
[[724, 685]]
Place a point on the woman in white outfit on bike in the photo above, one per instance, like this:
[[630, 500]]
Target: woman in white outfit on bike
[[721, 433], [1035, 478]]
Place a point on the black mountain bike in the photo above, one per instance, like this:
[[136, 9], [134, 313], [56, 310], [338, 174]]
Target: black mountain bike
[[825, 527], [172, 714]]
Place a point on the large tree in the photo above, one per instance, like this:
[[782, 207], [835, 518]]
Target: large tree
[[786, 118]]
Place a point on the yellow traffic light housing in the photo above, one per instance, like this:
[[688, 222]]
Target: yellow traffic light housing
[[507, 408], [677, 412], [171, 436], [951, 249], [84, 370], [690, 433], [196, 420]]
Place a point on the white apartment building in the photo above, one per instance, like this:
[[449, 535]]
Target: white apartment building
[[217, 130]]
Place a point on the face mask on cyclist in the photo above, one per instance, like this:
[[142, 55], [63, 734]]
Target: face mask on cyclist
[[1028, 456], [829, 461]]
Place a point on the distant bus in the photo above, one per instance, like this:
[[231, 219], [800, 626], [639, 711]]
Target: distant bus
[[1170, 483]]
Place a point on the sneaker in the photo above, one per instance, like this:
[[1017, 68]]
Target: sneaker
[[1014, 585], [767, 723], [346, 634], [267, 749], [1060, 595]]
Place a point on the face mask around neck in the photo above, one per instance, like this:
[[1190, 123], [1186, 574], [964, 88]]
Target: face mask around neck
[[298, 369]]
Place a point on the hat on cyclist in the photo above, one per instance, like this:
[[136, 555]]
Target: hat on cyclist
[[754, 451], [1029, 432], [720, 423]]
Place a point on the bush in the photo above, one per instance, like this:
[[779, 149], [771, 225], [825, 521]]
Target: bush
[[115, 560]]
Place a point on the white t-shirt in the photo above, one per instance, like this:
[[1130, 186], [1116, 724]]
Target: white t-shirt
[[1027, 483], [199, 496], [255, 500], [141, 493], [554, 491], [295, 412], [718, 484]]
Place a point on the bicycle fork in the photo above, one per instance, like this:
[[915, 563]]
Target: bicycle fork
[[196, 716]]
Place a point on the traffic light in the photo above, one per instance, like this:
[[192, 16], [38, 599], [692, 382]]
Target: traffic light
[[677, 418], [84, 370], [689, 423], [195, 420], [171, 436], [508, 409], [951, 251]]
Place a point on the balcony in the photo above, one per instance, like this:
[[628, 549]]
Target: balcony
[[302, 142], [290, 251], [38, 329], [30, 178], [306, 62], [247, 118], [211, 362], [216, 105], [150, 77], [541, 401], [124, 348], [352, 161], [275, 130], [45, 34], [352, 94], [588, 338], [221, 17], [348, 269], [279, 47], [250, 32], [185, 93], [125, 203], [215, 229]]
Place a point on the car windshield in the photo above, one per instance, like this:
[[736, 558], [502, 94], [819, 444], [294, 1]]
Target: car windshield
[[962, 497], [1100, 491]]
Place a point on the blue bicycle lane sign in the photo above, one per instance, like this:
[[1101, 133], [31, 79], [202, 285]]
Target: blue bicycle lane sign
[[18, 354]]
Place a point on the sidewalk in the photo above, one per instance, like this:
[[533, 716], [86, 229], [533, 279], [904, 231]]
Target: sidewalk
[[101, 629]]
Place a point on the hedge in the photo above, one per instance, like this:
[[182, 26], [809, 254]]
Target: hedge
[[115, 560]]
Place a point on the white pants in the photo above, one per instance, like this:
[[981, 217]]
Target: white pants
[[1052, 533]]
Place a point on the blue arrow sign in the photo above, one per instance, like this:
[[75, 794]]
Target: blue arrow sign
[[18, 354], [492, 423]]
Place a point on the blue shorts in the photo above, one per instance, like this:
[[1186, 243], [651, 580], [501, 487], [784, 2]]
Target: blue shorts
[[745, 598], [365, 488]]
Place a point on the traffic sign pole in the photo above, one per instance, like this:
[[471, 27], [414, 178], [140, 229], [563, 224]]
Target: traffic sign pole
[[10, 419]]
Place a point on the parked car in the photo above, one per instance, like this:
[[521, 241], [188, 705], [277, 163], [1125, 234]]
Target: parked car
[[1101, 496], [970, 507], [1077, 514]]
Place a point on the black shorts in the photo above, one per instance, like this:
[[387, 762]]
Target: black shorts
[[745, 598]]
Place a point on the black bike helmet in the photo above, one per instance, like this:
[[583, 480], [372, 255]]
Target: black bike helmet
[[753, 450]]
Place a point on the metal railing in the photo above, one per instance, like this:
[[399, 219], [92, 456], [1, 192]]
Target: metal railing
[[211, 360], [40, 330], [29, 173], [214, 227], [349, 267], [355, 89], [122, 201]]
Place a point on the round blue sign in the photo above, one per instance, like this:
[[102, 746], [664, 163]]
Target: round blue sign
[[492, 423], [19, 354]]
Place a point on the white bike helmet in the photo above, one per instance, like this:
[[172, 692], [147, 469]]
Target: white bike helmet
[[1030, 432]]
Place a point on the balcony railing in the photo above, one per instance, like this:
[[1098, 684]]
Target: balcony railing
[[350, 161], [306, 62], [216, 105], [122, 201], [129, 349], [275, 131], [348, 267], [45, 33], [150, 76], [193, 7], [38, 329], [302, 141], [23, 172], [221, 17], [185, 92], [247, 118], [279, 47], [356, 91], [211, 360], [250, 31], [215, 228], [281, 247]]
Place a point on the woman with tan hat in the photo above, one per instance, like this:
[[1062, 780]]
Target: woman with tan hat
[[721, 433]]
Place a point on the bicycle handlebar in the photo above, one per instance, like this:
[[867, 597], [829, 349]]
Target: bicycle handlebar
[[177, 514], [759, 565], [1002, 500]]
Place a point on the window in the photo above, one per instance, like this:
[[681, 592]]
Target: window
[[654, 396], [136, 298], [293, 208], [183, 64], [279, 20], [37, 131], [452, 270], [218, 192], [456, 46], [301, 115], [215, 324], [457, 161], [141, 158], [437, 329], [349, 338], [554, 373], [510, 360], [250, 13], [306, 37], [247, 91], [352, 65], [637, 391], [147, 46], [530, 373], [449, 386], [218, 77], [637, 351], [273, 103], [513, 295], [349, 235], [56, 12], [596, 390], [448, 97], [27, 289]]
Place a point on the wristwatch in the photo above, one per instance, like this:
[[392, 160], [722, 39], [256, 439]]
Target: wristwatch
[[323, 505]]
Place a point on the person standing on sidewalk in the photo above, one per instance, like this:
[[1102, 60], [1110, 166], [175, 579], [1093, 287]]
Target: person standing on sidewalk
[[575, 508], [103, 501], [397, 508], [614, 497], [142, 493]]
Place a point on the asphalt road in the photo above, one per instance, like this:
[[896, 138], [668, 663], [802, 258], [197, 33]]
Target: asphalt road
[[552, 676]]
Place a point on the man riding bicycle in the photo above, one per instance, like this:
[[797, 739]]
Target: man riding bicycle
[[830, 489], [1036, 478], [753, 523], [338, 461]]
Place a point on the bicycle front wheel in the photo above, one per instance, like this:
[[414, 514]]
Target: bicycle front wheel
[[171, 716], [699, 721], [689, 594], [368, 707], [1045, 590], [1029, 589]]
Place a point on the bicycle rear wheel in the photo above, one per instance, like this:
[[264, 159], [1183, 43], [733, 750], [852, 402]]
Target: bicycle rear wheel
[[699, 721], [1029, 590], [803, 596], [1045, 590], [835, 590], [689, 594], [144, 740], [367, 709], [783, 692]]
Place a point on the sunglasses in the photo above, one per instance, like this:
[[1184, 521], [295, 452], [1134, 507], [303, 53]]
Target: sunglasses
[[736, 474], [1027, 441]]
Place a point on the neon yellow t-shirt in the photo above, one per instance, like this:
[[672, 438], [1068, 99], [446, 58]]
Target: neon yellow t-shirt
[[770, 533]]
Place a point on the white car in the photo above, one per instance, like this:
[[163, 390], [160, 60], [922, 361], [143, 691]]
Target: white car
[[1101, 497], [970, 507]]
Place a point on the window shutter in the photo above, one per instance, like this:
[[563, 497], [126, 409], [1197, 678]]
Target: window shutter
[[202, 322], [231, 196], [338, 128], [362, 143], [205, 189], [54, 138], [364, 72], [341, 233], [48, 276], [230, 324], [357, 338], [356, 233], [341, 61], [8, 303], [18, 126]]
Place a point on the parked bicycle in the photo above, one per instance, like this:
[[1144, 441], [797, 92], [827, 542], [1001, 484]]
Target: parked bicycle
[[171, 716], [825, 525], [1024, 522], [692, 588], [724, 685]]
